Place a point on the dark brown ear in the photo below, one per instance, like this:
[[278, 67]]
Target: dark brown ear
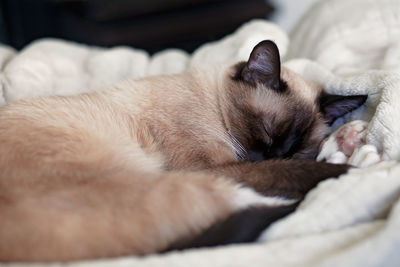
[[335, 106], [263, 66]]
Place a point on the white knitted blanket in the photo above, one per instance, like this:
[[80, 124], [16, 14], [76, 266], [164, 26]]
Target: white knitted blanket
[[349, 47]]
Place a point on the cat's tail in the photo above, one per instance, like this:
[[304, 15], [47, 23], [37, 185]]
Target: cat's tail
[[241, 227]]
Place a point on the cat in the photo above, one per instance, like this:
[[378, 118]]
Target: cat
[[161, 162]]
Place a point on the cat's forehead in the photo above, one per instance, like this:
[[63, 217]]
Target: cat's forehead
[[297, 94], [280, 110], [295, 86], [269, 103], [300, 87]]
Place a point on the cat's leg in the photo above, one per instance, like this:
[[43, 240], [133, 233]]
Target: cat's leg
[[279, 178], [120, 213], [285, 178], [182, 205], [240, 227]]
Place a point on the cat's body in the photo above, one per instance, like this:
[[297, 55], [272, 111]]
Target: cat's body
[[148, 163]]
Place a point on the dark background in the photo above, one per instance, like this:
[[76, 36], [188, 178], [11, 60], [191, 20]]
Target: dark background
[[152, 25]]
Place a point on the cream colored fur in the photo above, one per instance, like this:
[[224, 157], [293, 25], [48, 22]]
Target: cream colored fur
[[85, 176]]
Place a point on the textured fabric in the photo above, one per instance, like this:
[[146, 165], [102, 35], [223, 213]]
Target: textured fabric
[[350, 47], [50, 66]]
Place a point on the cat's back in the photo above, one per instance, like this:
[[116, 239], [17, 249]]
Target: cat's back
[[56, 135]]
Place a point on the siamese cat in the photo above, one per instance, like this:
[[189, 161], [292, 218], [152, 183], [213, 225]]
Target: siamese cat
[[202, 158]]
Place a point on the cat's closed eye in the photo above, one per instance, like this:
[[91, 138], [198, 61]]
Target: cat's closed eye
[[267, 133]]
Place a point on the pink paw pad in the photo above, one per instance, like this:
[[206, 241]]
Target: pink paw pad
[[348, 145], [342, 143], [350, 136]]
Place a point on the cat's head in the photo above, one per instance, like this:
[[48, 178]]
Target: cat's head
[[274, 113]]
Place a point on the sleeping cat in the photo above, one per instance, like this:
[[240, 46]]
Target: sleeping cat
[[162, 162]]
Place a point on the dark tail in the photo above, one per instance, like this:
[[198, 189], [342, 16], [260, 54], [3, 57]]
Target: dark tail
[[242, 227]]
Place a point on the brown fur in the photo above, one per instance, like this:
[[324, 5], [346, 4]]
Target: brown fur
[[119, 172]]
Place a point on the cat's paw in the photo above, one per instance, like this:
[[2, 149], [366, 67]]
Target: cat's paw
[[351, 136], [348, 145], [364, 156]]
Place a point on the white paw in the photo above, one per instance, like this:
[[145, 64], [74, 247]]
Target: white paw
[[351, 136], [347, 145], [337, 158], [364, 156]]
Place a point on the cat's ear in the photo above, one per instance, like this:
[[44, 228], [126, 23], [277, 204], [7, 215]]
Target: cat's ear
[[263, 66], [335, 106]]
